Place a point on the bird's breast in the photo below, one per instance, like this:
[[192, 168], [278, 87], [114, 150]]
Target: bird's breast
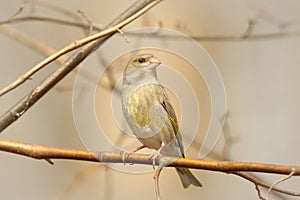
[[139, 101]]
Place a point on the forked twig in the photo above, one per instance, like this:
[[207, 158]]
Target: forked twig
[[124, 36]]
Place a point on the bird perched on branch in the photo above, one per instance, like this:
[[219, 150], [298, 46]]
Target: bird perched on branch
[[150, 115]]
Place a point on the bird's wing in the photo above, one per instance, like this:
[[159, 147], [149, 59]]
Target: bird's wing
[[172, 117]]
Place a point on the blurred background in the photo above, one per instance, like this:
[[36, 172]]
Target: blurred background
[[260, 74]]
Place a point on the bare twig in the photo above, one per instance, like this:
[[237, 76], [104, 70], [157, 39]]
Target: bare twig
[[265, 36], [249, 30], [248, 35], [259, 182], [88, 20], [21, 8], [225, 38], [47, 19], [259, 192], [136, 10], [54, 7], [156, 182], [124, 36], [279, 181]]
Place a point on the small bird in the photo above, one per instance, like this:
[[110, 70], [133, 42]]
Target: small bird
[[150, 115]]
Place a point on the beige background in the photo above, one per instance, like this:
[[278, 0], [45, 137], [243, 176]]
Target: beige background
[[261, 78]]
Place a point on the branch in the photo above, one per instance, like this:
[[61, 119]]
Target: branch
[[257, 182], [54, 7], [47, 19], [248, 35], [44, 152], [236, 168], [133, 12], [252, 37]]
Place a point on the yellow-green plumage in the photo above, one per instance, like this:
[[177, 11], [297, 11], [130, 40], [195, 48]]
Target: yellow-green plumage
[[150, 115]]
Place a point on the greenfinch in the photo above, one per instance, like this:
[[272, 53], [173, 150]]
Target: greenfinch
[[150, 115]]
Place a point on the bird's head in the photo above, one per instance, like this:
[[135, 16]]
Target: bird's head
[[140, 68]]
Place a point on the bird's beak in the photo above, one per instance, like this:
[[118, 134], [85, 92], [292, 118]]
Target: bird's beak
[[154, 62]]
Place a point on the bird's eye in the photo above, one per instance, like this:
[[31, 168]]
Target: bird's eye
[[141, 60]]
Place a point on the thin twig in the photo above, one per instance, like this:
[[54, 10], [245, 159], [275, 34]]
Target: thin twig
[[47, 19], [88, 20], [123, 35], [54, 7], [259, 182], [21, 8], [259, 193], [249, 30], [279, 181], [51, 20], [246, 36], [156, 182]]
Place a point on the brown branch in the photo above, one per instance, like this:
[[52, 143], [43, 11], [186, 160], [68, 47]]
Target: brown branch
[[236, 168], [133, 12], [44, 152]]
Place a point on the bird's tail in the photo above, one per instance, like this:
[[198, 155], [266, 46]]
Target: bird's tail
[[187, 178]]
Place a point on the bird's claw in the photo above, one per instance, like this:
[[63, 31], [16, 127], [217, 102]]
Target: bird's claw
[[125, 154], [154, 156]]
